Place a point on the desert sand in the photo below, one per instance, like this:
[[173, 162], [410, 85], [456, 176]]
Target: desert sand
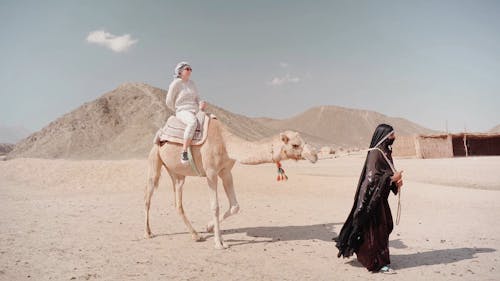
[[83, 220]]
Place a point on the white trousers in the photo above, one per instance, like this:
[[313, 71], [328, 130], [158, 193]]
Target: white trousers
[[188, 118]]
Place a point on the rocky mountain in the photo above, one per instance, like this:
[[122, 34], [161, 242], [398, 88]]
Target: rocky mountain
[[343, 126], [122, 123]]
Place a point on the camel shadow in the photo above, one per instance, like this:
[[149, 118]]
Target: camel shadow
[[434, 257], [322, 232]]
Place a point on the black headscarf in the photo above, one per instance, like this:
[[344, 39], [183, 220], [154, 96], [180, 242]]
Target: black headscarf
[[350, 237], [381, 137]]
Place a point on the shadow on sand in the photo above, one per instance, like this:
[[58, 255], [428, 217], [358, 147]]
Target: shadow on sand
[[322, 232], [445, 256]]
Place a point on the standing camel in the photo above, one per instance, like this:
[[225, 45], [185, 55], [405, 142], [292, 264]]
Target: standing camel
[[213, 161]]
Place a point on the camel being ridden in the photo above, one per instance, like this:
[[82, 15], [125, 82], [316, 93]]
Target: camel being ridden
[[214, 162]]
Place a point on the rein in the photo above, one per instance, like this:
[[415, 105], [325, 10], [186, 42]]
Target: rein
[[398, 214], [281, 173]]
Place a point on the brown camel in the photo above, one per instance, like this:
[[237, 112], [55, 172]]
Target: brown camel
[[214, 161]]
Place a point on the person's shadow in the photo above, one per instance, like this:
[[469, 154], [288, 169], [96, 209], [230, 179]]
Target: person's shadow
[[445, 256], [323, 232]]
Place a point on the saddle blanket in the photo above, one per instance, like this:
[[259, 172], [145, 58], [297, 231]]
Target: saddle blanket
[[173, 131]]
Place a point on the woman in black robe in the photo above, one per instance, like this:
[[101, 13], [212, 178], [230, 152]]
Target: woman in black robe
[[366, 231]]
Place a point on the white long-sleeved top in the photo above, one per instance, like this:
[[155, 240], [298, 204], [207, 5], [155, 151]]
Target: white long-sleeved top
[[183, 96]]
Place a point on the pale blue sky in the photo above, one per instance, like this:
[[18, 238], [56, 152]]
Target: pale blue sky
[[427, 61]]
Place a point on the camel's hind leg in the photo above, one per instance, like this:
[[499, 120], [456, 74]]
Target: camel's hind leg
[[214, 206], [178, 182], [227, 181], [154, 172]]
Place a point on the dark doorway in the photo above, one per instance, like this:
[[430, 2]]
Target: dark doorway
[[477, 145]]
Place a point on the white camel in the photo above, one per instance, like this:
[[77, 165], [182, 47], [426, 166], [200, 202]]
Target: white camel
[[214, 161]]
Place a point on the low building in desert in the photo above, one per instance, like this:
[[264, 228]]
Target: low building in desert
[[447, 145]]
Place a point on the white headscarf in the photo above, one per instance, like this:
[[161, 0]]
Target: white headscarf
[[180, 66]]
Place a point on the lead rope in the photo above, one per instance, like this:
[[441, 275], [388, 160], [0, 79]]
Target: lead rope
[[281, 172], [398, 213]]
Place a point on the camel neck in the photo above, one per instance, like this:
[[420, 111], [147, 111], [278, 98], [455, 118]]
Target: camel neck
[[250, 153]]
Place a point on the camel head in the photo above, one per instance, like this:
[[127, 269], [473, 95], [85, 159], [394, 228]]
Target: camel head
[[309, 153], [292, 146]]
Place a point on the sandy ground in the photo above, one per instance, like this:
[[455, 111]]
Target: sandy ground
[[83, 220]]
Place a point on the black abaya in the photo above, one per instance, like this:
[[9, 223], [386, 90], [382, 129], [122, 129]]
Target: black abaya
[[366, 231]]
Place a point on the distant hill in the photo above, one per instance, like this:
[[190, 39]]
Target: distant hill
[[9, 134], [343, 126], [120, 124], [495, 129], [6, 148]]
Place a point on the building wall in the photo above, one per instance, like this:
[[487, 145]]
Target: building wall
[[434, 146], [444, 146], [404, 146]]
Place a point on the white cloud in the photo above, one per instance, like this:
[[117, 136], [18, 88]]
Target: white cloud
[[287, 79], [284, 64], [117, 44]]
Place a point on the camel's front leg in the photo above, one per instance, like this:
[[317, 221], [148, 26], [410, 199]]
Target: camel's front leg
[[179, 183], [214, 205], [227, 181]]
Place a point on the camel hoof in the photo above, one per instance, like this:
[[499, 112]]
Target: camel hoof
[[235, 209], [197, 238], [210, 228], [148, 235], [221, 246]]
